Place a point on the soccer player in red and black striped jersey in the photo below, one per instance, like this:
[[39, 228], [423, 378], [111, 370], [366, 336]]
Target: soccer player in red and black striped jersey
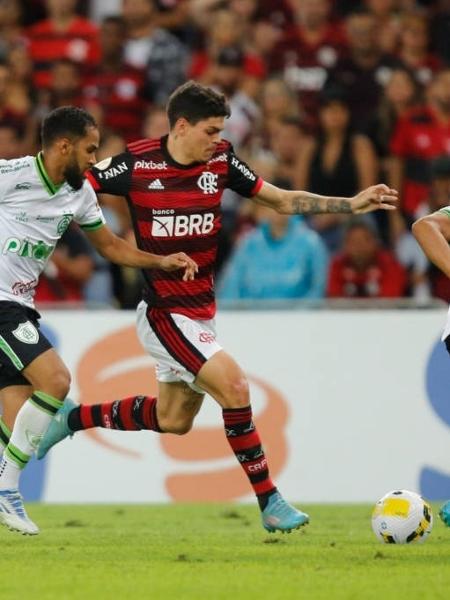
[[173, 186]]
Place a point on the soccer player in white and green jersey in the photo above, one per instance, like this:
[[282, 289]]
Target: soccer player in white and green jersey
[[433, 234], [39, 197]]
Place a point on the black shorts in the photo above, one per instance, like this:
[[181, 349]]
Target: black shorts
[[21, 342]]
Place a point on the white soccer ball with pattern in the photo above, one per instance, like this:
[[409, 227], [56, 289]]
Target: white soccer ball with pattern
[[402, 517]]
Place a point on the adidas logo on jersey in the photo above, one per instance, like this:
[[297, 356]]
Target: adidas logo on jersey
[[156, 185]]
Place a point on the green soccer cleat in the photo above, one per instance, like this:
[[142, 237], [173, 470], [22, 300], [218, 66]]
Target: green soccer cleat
[[58, 428], [13, 514], [444, 513], [281, 516]]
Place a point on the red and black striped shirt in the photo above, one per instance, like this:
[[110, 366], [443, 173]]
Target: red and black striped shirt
[[78, 43], [176, 208]]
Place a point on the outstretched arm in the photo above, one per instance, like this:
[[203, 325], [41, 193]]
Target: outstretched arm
[[433, 234], [305, 203], [121, 252]]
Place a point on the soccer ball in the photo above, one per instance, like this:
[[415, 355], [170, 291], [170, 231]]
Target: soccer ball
[[401, 517]]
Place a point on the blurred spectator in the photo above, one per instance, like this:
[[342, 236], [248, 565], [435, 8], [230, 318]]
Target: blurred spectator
[[11, 27], [156, 50], [65, 88], [364, 71], [117, 86], [414, 50], [227, 29], [308, 50], [277, 102], [401, 94], [175, 15], [239, 214], [386, 13], [338, 162], [421, 135], [287, 145], [155, 123], [281, 259], [440, 30], [363, 269], [10, 141], [70, 267], [227, 75], [63, 34], [11, 111]]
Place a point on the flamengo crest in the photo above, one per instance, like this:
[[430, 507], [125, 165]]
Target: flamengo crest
[[208, 182]]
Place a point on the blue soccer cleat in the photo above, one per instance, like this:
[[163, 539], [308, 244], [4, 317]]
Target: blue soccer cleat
[[13, 514], [58, 428], [281, 516], [444, 513]]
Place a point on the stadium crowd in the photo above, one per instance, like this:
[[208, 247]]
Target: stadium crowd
[[329, 96]]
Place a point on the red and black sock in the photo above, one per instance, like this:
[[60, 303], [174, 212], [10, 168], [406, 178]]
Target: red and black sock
[[129, 414], [246, 445]]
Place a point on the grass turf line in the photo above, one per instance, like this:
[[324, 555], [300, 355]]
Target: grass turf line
[[215, 552]]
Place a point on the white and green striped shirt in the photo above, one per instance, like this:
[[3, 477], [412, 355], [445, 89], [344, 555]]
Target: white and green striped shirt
[[34, 213]]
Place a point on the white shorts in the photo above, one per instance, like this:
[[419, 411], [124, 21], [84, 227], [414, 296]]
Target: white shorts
[[180, 345]]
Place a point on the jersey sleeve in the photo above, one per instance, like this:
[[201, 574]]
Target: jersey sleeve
[[241, 178], [90, 216], [112, 175], [445, 210]]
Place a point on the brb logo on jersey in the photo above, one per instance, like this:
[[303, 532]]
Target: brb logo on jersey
[[182, 225], [207, 182]]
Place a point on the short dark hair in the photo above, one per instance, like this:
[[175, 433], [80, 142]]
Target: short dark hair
[[196, 102], [66, 121]]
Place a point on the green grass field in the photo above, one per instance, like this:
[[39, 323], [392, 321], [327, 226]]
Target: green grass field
[[214, 552]]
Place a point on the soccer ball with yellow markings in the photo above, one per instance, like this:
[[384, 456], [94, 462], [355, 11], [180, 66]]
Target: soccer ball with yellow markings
[[402, 517]]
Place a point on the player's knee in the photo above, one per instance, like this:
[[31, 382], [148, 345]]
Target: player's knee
[[237, 393], [178, 427], [182, 428], [58, 385]]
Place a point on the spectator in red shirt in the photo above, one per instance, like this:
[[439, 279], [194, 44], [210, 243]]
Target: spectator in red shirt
[[65, 89], [116, 85], [64, 34], [363, 269], [420, 136], [414, 50], [308, 51], [226, 29]]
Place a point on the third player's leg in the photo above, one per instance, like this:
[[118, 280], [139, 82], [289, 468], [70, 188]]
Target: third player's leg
[[177, 407], [12, 399], [48, 373]]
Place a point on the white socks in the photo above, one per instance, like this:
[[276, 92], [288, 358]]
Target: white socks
[[31, 423]]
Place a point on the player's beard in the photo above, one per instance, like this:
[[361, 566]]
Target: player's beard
[[74, 176]]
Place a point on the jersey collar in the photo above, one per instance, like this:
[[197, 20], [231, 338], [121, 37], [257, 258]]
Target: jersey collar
[[51, 187]]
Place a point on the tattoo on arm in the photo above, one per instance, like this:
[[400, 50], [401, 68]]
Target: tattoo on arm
[[310, 205]]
